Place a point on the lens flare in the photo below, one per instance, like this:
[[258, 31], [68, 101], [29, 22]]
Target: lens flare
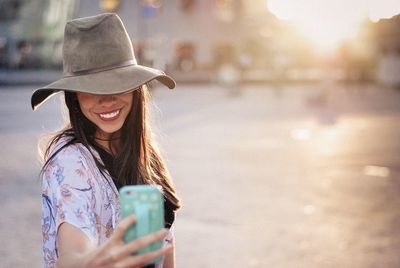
[[327, 23]]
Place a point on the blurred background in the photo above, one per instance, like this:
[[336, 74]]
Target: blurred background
[[257, 41], [282, 136]]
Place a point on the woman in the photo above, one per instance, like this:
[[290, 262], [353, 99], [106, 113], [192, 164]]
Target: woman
[[106, 145]]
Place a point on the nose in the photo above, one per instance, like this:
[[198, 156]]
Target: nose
[[107, 100]]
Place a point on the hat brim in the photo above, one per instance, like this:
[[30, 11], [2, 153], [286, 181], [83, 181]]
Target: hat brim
[[114, 81]]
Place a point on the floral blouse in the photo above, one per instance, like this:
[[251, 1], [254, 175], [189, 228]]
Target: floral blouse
[[75, 191]]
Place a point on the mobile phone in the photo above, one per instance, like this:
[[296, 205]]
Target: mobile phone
[[147, 204]]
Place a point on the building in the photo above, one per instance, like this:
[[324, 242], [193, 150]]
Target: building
[[387, 40], [189, 38]]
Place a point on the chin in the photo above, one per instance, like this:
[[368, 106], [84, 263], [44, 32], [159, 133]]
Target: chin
[[110, 130]]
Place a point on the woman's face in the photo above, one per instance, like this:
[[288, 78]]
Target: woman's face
[[107, 112]]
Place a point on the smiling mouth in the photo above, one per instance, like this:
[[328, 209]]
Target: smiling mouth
[[109, 116]]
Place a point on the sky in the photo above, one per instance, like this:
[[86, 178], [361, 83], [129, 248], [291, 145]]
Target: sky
[[328, 22]]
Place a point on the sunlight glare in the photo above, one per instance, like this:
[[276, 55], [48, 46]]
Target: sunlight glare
[[376, 171], [328, 22], [301, 134], [382, 9]]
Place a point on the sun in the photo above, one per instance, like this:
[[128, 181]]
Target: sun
[[382, 9], [329, 22]]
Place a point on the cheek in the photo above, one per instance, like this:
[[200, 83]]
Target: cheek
[[86, 102], [128, 100]]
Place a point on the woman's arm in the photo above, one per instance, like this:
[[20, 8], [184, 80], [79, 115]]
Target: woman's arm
[[72, 246], [76, 250]]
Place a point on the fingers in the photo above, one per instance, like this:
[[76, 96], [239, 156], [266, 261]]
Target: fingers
[[143, 259], [123, 227], [115, 252], [126, 250], [143, 242]]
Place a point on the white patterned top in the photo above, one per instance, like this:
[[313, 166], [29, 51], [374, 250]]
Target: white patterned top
[[75, 191]]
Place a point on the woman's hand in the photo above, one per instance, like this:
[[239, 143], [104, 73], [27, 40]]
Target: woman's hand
[[113, 253]]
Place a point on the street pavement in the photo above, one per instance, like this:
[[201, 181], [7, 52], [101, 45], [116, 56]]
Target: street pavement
[[300, 175]]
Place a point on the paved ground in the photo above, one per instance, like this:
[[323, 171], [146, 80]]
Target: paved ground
[[296, 176]]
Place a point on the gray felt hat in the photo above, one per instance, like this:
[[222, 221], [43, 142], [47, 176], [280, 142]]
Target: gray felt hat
[[98, 58]]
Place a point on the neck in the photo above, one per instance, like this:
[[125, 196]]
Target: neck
[[108, 145], [109, 142], [108, 139]]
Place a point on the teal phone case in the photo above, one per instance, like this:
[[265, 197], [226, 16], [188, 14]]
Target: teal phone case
[[146, 203]]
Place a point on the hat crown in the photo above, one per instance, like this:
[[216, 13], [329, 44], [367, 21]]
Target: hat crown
[[98, 59], [95, 42]]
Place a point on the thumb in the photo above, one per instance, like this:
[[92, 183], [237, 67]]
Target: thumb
[[123, 227]]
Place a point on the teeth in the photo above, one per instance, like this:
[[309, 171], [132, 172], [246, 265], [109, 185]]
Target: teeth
[[109, 115]]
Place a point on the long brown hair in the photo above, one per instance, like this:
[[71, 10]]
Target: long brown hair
[[137, 161]]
